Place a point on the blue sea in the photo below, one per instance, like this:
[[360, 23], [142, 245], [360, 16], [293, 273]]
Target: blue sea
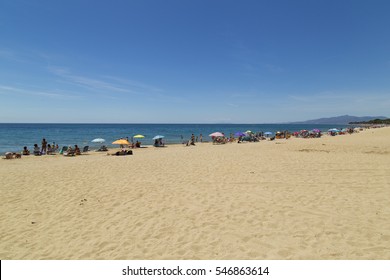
[[13, 137]]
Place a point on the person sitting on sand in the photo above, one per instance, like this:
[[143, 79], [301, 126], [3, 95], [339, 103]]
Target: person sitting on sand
[[69, 151], [77, 150], [37, 151], [138, 144], [49, 150], [54, 148], [158, 142], [25, 151], [102, 149]]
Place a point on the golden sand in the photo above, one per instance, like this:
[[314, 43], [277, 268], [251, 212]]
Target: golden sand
[[326, 198]]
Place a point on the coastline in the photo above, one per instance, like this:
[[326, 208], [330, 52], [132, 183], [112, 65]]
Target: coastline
[[323, 198], [13, 137]]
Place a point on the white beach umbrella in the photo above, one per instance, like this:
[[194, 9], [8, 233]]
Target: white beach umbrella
[[216, 134], [98, 140]]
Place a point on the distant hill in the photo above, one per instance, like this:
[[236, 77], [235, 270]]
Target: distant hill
[[342, 120]]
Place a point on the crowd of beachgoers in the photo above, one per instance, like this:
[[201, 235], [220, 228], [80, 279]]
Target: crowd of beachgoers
[[125, 145]]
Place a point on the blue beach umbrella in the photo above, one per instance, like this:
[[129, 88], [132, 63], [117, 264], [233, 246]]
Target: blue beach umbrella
[[238, 134]]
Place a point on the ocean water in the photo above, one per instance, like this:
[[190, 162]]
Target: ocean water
[[13, 137]]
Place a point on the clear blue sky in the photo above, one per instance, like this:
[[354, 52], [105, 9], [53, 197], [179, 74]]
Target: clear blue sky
[[199, 61]]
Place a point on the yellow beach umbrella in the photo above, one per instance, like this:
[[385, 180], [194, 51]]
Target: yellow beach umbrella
[[121, 142]]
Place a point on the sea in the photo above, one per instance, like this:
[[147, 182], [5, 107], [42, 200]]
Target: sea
[[14, 136]]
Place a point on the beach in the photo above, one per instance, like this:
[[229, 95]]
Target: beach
[[323, 198]]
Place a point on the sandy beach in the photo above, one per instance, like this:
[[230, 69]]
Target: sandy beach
[[325, 198]]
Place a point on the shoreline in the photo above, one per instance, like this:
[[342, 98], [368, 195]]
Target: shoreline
[[321, 198], [111, 148], [15, 137]]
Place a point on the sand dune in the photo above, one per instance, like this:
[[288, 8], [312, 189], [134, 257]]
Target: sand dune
[[326, 198]]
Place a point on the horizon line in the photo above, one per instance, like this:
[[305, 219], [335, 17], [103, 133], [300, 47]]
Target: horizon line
[[192, 123]]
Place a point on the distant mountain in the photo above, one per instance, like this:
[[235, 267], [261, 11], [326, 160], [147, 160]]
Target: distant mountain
[[342, 120]]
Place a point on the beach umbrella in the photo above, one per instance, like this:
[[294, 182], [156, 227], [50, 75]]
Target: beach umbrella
[[248, 132], [238, 134], [98, 140], [216, 134], [268, 134], [334, 130], [139, 136], [158, 137], [121, 142]]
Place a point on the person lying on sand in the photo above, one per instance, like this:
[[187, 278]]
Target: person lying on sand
[[10, 155], [121, 153]]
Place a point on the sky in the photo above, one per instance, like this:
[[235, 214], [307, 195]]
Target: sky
[[198, 61]]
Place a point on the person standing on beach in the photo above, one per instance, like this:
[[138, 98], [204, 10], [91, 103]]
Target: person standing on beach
[[44, 146], [193, 139]]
